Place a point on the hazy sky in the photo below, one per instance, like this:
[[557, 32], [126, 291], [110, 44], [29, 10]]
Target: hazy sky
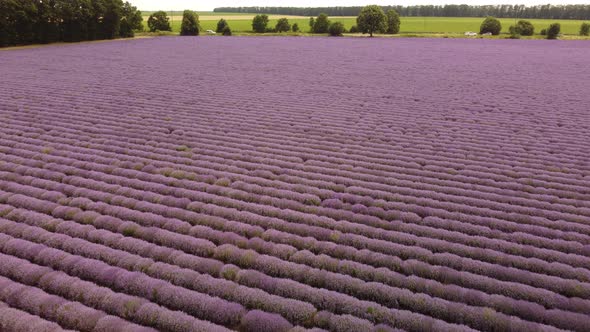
[[209, 5]]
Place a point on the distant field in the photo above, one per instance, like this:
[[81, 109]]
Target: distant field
[[242, 23]]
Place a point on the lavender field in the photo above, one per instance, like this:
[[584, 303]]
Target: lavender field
[[295, 184]]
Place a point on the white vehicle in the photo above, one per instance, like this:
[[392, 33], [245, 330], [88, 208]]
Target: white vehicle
[[470, 34], [210, 32]]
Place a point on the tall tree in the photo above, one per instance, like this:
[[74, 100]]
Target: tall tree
[[372, 19], [190, 23], [393, 22], [321, 24], [159, 21], [259, 23]]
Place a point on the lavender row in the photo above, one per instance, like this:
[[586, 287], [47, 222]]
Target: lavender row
[[561, 270], [70, 315], [283, 238], [16, 320], [292, 310], [187, 261]]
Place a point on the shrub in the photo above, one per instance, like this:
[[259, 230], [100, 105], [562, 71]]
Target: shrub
[[491, 25], [553, 31], [336, 29], [321, 24], [525, 28], [295, 27], [159, 21], [393, 22], [226, 31], [585, 29], [372, 19], [514, 32], [221, 24], [543, 32], [354, 29], [260, 23], [283, 25]]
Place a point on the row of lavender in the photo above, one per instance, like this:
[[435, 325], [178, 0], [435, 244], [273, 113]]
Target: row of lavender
[[279, 213]]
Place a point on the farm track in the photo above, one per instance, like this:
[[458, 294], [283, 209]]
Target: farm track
[[344, 208]]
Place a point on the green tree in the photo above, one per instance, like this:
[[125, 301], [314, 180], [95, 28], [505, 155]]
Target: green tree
[[490, 25], [110, 22], [283, 25], [131, 20], [553, 31], [321, 24], [260, 23], [525, 28], [372, 19], [226, 31], [585, 29], [354, 29], [393, 22], [311, 23], [336, 29], [159, 21], [221, 24], [295, 27], [190, 23]]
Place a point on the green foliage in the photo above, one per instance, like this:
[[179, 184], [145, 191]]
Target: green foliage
[[354, 29], [525, 28], [336, 29], [585, 29], [159, 21], [260, 23], [33, 21], [393, 22], [226, 31], [221, 24], [311, 23], [491, 25], [283, 25], [190, 24], [372, 19], [131, 20], [514, 32], [295, 27], [321, 24], [553, 31], [543, 32]]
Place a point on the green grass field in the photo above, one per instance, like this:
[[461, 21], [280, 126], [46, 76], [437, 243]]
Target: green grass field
[[410, 25]]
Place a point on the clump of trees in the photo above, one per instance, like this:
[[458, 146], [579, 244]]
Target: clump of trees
[[491, 25], [159, 21], [554, 31], [25, 22], [576, 12], [260, 23], [371, 20], [283, 25], [320, 25], [522, 28], [190, 24], [585, 29], [336, 29]]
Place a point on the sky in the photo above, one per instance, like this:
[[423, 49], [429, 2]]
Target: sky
[[209, 5]]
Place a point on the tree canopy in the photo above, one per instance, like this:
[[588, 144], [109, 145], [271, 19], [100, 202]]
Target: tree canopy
[[32, 21], [372, 19]]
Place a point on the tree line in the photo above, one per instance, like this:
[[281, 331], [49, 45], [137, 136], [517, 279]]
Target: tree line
[[24, 22], [578, 12]]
